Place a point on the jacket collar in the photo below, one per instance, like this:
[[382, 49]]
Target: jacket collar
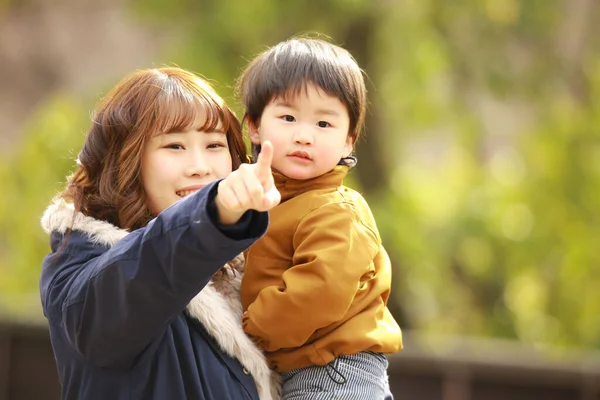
[[60, 217], [289, 187]]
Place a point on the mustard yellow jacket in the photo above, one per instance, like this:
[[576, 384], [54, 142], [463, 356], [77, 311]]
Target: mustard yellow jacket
[[316, 285]]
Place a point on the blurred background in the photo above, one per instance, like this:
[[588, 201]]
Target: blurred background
[[481, 158]]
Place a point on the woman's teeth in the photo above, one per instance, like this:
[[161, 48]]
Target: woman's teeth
[[184, 193]]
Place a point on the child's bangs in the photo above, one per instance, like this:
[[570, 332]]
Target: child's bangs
[[290, 77], [183, 109]]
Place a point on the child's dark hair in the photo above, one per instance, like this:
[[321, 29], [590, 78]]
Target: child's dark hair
[[286, 68], [107, 184]]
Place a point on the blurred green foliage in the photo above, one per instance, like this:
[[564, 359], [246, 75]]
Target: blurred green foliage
[[487, 128], [30, 177]]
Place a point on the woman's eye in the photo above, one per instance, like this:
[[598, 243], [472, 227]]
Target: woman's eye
[[288, 118], [216, 146], [174, 146], [323, 124]]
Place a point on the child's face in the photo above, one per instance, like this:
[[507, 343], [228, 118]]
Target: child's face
[[309, 133], [177, 164]]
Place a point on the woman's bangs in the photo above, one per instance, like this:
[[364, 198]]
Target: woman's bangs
[[182, 110]]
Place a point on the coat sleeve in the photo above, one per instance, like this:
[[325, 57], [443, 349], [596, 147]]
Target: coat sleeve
[[113, 304], [334, 250]]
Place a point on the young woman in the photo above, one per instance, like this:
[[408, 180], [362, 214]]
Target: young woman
[[141, 287]]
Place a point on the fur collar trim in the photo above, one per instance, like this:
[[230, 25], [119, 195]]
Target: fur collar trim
[[218, 306]]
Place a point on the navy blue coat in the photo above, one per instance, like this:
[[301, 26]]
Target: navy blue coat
[[116, 314]]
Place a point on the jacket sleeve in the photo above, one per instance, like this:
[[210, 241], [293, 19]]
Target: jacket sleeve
[[333, 251], [113, 304]]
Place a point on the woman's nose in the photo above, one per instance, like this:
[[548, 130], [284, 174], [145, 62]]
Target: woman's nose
[[197, 164]]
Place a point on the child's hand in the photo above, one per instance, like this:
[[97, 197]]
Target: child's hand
[[251, 186]]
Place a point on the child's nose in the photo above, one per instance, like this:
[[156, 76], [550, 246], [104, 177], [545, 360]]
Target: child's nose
[[303, 136]]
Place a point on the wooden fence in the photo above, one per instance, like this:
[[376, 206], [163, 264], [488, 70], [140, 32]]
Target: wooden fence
[[429, 368]]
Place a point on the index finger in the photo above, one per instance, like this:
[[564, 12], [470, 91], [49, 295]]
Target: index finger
[[263, 163]]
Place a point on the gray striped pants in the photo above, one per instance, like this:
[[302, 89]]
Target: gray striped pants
[[360, 376]]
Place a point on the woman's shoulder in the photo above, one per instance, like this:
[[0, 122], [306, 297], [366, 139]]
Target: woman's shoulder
[[74, 239]]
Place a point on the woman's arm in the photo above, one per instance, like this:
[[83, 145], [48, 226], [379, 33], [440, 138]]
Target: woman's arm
[[113, 305]]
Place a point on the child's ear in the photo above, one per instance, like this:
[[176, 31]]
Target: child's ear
[[253, 133], [348, 146]]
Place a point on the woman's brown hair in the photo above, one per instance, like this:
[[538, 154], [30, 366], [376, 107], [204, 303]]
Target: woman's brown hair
[[107, 184]]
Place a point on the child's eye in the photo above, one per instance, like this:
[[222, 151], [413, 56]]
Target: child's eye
[[323, 124], [288, 118], [174, 146]]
